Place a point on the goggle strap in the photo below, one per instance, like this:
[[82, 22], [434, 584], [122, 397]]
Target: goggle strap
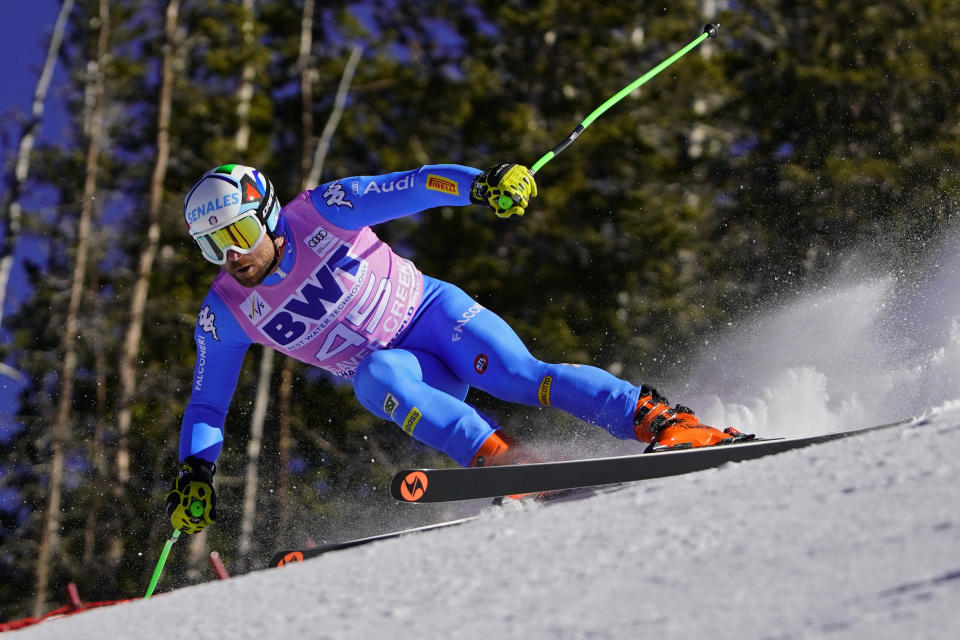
[[266, 206]]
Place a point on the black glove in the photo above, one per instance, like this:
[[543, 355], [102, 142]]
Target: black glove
[[192, 502], [505, 188]]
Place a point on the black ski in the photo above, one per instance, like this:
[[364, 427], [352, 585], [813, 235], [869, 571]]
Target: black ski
[[289, 556], [441, 485]]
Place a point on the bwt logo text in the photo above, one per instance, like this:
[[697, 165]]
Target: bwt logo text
[[313, 301]]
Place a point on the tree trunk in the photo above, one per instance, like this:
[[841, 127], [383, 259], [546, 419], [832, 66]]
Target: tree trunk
[[262, 399], [97, 451], [311, 164], [61, 427], [708, 10], [253, 456], [320, 155], [245, 94], [307, 73], [284, 444], [138, 302], [12, 213]]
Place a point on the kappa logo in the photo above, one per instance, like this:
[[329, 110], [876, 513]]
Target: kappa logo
[[207, 322], [414, 485], [255, 308], [444, 185], [390, 405], [335, 195], [480, 363]]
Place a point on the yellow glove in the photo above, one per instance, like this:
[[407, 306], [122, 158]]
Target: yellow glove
[[192, 502], [505, 188]]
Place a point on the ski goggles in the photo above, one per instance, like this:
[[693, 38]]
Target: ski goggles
[[242, 236]]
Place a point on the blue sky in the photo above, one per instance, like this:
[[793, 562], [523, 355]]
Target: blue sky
[[24, 36]]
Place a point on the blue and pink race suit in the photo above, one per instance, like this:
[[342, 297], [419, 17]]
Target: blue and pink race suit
[[342, 300]]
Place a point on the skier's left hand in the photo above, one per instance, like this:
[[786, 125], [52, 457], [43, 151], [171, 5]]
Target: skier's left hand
[[192, 502], [505, 188]]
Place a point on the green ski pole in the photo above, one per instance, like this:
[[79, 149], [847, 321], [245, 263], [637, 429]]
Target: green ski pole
[[709, 31], [162, 561]]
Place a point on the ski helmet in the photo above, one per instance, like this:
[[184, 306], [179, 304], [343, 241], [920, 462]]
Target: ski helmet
[[231, 207]]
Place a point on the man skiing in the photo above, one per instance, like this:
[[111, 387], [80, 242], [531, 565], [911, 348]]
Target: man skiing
[[313, 281]]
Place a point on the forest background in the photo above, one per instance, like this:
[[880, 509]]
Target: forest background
[[738, 176]]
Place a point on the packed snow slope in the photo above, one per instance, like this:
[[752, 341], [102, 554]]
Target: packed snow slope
[[850, 539], [858, 538]]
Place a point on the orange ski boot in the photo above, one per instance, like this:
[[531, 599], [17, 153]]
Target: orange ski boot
[[499, 449], [677, 428]]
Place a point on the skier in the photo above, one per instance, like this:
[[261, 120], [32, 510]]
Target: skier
[[313, 281]]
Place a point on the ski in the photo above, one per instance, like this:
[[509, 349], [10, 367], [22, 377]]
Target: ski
[[442, 485], [289, 556], [283, 558]]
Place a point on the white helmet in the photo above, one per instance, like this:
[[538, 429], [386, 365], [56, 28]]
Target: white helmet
[[231, 207]]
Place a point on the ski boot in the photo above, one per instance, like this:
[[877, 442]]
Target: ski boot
[[678, 428], [499, 449]]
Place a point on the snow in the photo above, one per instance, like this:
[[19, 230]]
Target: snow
[[857, 538], [850, 539]]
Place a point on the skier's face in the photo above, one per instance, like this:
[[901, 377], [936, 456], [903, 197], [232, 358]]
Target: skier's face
[[250, 269]]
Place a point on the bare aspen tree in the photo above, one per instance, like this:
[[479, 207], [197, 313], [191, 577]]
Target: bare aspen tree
[[12, 211], [245, 93], [307, 76], [265, 373], [339, 102], [266, 366], [131, 345], [312, 168], [284, 443], [61, 427], [254, 446], [98, 455], [241, 141]]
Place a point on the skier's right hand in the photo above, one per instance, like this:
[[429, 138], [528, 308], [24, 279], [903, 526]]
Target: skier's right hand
[[192, 502]]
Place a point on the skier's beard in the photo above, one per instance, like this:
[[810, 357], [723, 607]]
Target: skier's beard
[[252, 269]]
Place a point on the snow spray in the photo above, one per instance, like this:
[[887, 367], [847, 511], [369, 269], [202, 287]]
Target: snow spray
[[863, 349]]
